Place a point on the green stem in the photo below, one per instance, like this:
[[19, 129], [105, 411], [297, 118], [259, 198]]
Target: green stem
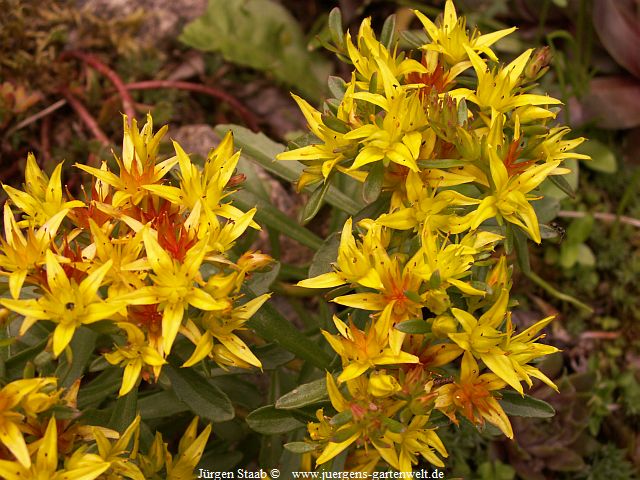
[[559, 295]]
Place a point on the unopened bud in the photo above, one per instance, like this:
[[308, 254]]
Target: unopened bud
[[443, 325], [538, 63], [254, 260], [382, 385]]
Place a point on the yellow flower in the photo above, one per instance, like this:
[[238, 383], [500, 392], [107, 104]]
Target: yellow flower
[[12, 397], [505, 355], [42, 198], [369, 53], [426, 207], [328, 153], [137, 168], [361, 351], [452, 39], [136, 355], [128, 270], [552, 147], [354, 264], [190, 451], [522, 349], [80, 466], [204, 187], [65, 303], [414, 440], [221, 326], [397, 138], [472, 397], [498, 91], [21, 255], [174, 286], [508, 199], [113, 454]]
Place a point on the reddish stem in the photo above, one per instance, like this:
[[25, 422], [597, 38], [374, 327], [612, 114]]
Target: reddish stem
[[97, 64], [246, 115], [45, 139], [86, 117]]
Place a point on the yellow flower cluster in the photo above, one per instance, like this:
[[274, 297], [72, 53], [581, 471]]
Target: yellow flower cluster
[[458, 169], [132, 253], [34, 444]]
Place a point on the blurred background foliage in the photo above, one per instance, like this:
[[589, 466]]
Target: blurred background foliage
[[65, 65]]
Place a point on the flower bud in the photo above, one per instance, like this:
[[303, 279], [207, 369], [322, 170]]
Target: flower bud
[[382, 385], [443, 325], [538, 63]]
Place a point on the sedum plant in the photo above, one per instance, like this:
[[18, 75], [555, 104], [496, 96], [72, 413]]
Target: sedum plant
[[450, 146], [119, 279]]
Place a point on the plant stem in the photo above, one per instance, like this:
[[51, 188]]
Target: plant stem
[[246, 115], [559, 295]]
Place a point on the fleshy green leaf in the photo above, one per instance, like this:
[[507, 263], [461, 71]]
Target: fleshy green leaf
[[415, 326], [203, 398], [269, 420], [306, 394], [273, 327], [325, 256], [514, 404], [299, 447]]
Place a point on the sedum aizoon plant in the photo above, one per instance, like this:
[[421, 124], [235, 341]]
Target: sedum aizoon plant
[[142, 263], [451, 145]]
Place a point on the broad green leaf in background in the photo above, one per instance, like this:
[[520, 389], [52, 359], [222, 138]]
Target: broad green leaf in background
[[518, 406], [260, 34], [203, 398], [548, 188], [272, 326], [602, 158], [325, 256], [306, 394], [271, 421]]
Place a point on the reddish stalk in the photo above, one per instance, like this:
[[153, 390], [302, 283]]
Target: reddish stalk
[[45, 139], [246, 115], [96, 64], [86, 117]]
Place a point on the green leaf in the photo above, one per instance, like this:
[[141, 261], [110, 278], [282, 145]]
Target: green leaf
[[325, 256], [274, 218], [414, 38], [559, 186], [272, 356], [263, 151], [260, 34], [442, 163], [387, 35], [306, 394], [337, 87], [269, 420], [373, 183], [160, 405], [518, 406], [260, 282], [335, 27], [203, 398], [415, 326], [101, 387], [273, 327], [125, 411], [580, 229], [602, 158], [300, 447], [312, 207], [521, 247], [82, 345]]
